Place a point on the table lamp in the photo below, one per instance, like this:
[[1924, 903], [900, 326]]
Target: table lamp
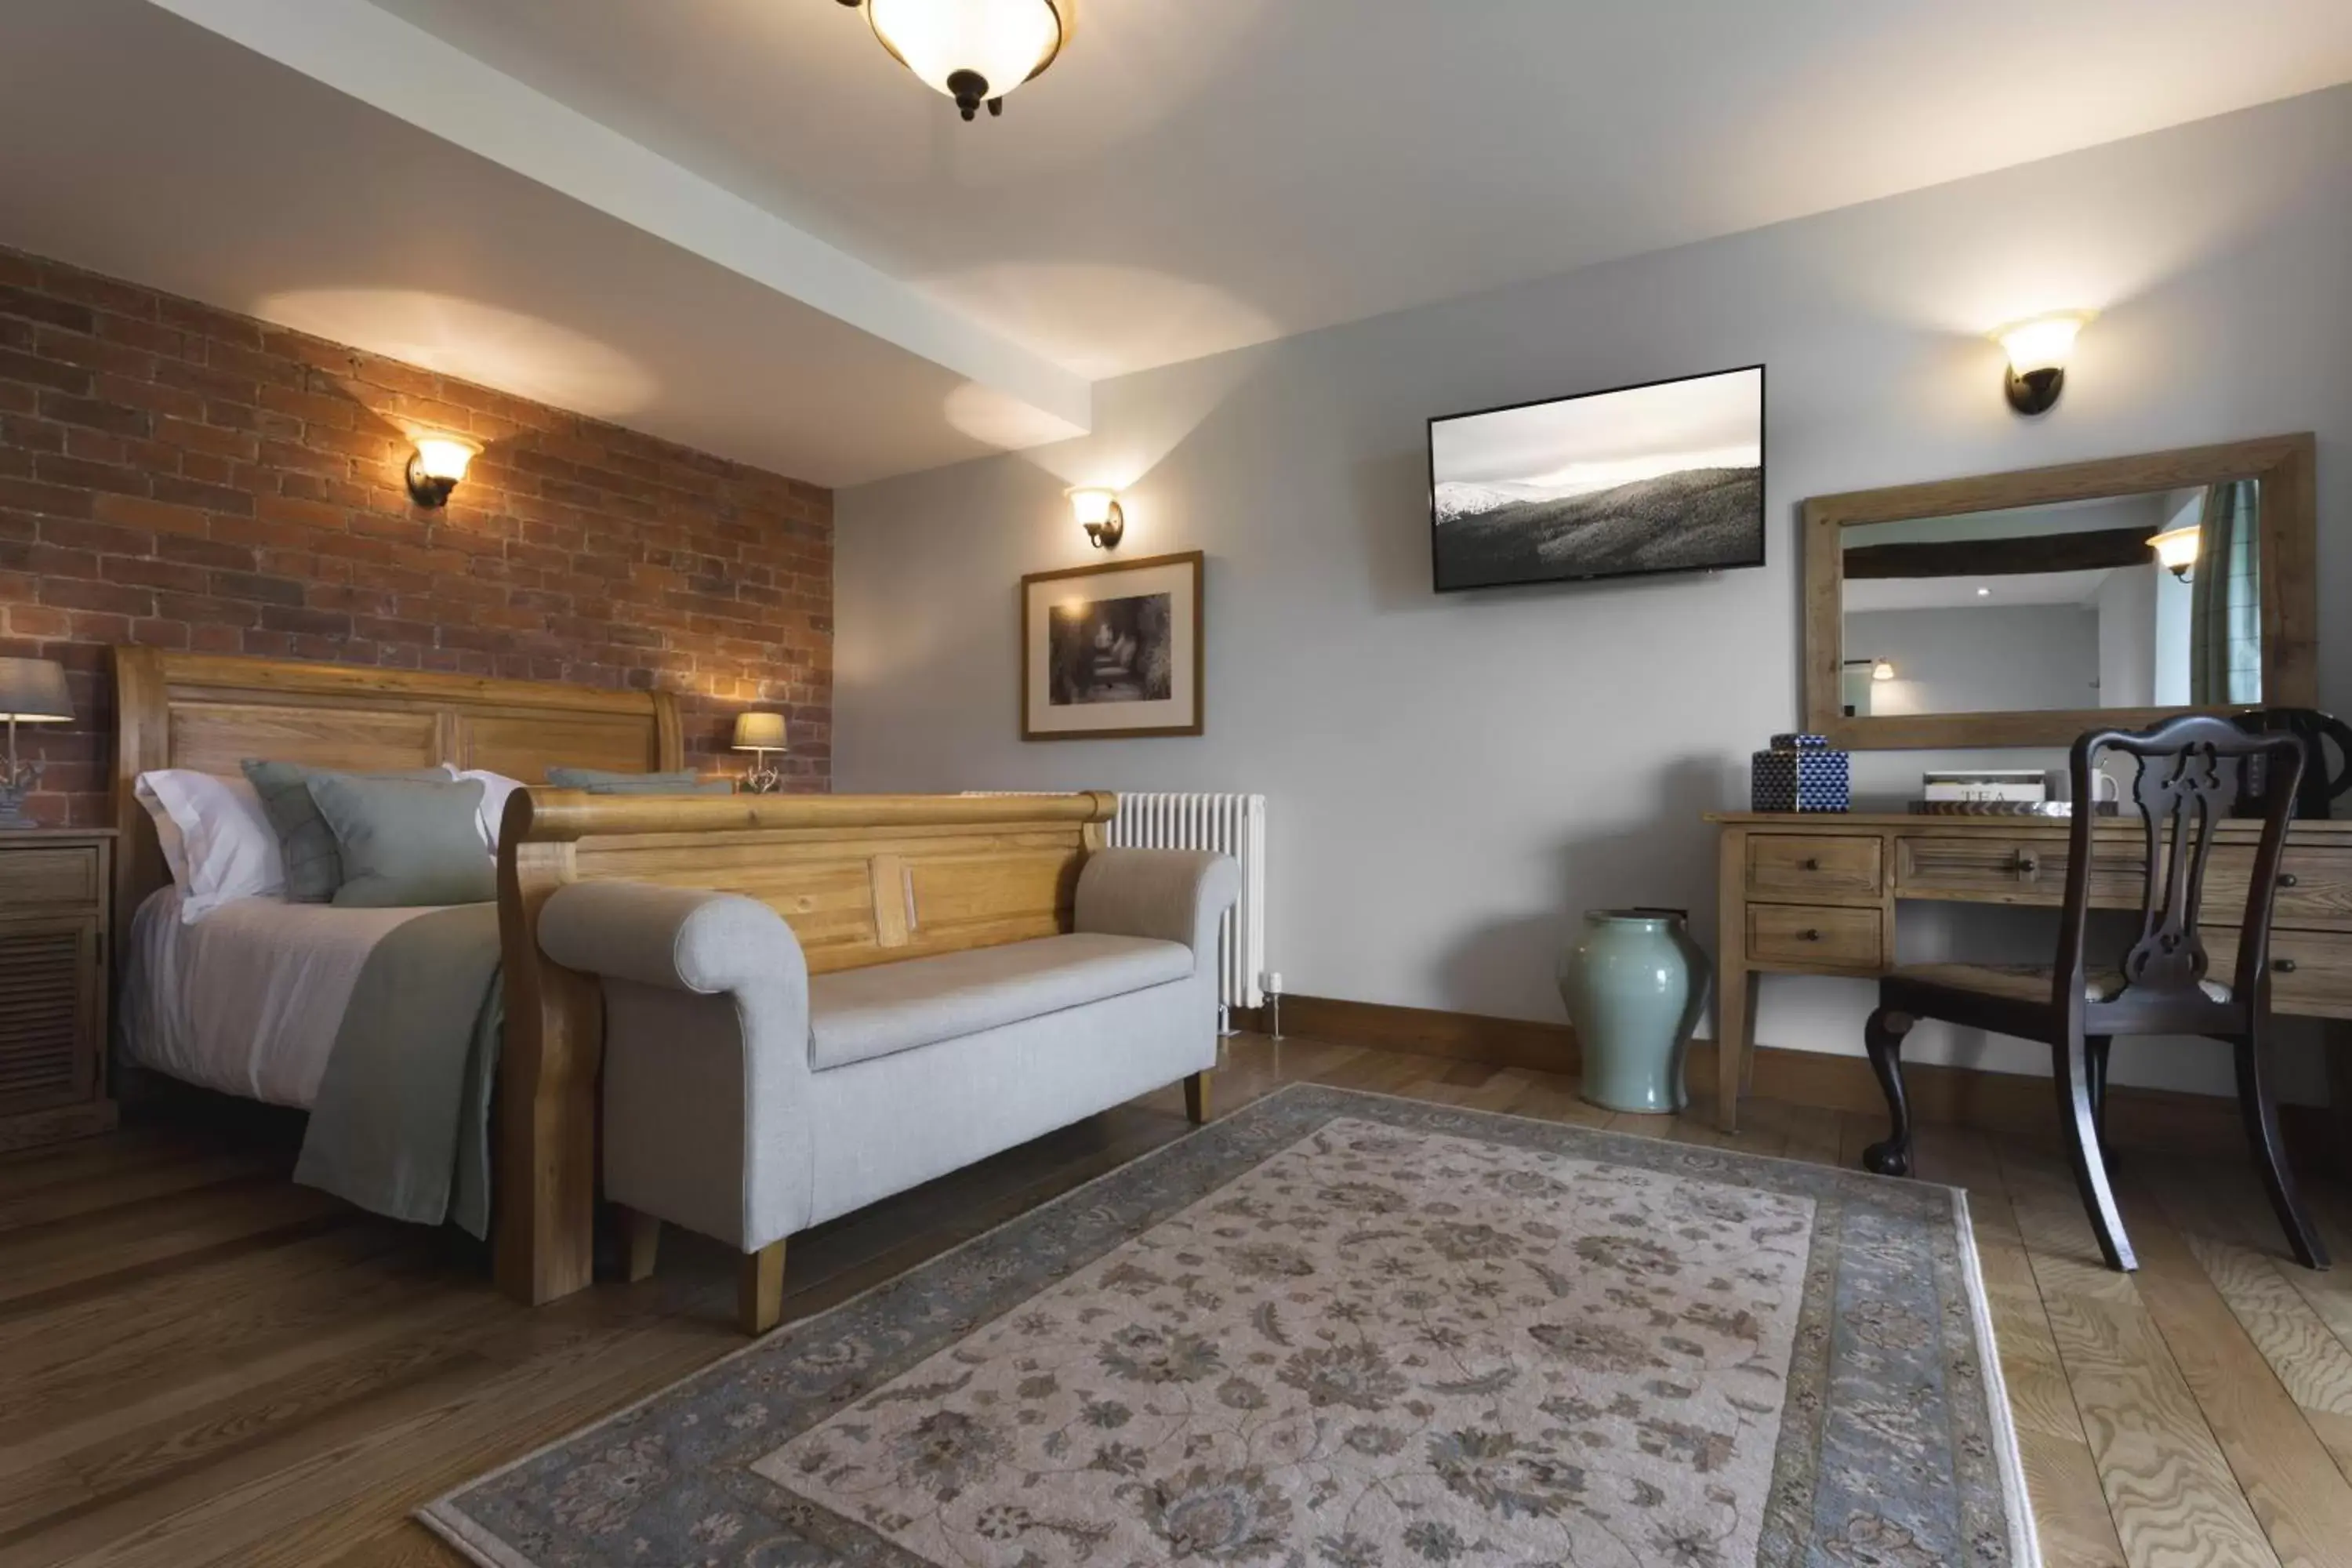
[[760, 733], [33, 691]]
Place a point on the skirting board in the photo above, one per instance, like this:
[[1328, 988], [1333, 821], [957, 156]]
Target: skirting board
[[2158, 1120]]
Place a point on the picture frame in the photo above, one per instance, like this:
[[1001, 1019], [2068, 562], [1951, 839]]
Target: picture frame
[[1113, 651]]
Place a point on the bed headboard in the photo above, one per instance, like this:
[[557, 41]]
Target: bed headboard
[[211, 711]]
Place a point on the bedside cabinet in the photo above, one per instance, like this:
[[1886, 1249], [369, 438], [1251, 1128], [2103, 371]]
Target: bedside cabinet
[[56, 926]]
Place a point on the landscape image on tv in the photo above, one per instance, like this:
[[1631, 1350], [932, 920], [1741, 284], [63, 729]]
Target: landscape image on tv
[[1663, 478]]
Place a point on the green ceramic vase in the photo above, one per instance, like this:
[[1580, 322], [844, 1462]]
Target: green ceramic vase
[[1634, 985]]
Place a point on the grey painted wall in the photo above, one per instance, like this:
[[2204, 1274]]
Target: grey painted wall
[[1453, 778]]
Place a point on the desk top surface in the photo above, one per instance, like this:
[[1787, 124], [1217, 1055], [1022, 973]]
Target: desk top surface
[[1922, 822]]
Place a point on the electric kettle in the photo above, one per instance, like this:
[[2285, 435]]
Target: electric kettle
[[2321, 783]]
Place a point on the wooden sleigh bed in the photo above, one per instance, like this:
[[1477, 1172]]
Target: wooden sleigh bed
[[861, 878]]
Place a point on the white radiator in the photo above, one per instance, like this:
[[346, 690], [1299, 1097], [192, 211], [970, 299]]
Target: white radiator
[[1230, 824]]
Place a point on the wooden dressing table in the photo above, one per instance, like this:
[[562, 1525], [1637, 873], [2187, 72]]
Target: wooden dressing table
[[1818, 893]]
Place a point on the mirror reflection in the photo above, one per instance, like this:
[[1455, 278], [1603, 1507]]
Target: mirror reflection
[[2149, 600]]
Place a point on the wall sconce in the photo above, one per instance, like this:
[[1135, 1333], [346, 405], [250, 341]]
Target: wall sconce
[[760, 733], [436, 465], [1882, 670], [2176, 549], [1099, 513], [2038, 351]]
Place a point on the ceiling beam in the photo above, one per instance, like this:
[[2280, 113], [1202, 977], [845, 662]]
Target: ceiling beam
[[2084, 551], [406, 72]]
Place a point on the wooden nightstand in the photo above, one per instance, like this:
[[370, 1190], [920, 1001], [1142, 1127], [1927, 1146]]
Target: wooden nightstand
[[56, 927]]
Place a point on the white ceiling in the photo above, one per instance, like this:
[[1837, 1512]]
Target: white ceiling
[[818, 266]]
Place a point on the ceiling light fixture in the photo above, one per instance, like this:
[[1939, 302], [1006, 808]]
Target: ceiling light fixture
[[975, 51]]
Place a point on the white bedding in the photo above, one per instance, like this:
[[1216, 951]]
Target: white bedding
[[248, 999]]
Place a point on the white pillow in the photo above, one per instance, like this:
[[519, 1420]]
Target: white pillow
[[218, 842], [496, 788]]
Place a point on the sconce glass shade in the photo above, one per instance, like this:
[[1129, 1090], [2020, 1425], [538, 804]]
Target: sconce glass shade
[[2175, 548], [975, 51], [1882, 670], [436, 465], [760, 733], [1092, 505], [33, 691], [2043, 343], [2038, 351]]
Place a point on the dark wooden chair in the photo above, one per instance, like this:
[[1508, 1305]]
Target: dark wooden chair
[[2188, 770]]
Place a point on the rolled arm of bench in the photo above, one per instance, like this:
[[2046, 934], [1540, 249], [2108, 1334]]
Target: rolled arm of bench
[[1172, 895], [683, 939]]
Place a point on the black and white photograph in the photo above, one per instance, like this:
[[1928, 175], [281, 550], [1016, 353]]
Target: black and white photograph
[[1112, 651], [1667, 477]]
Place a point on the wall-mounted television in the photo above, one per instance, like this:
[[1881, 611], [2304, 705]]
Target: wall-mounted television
[[1664, 477]]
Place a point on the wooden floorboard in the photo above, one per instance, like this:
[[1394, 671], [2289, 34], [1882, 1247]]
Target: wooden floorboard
[[207, 1366]]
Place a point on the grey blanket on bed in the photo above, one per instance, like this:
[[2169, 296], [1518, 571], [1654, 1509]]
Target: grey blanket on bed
[[401, 1125]]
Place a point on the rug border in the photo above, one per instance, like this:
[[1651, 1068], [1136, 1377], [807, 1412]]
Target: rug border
[[452, 1524]]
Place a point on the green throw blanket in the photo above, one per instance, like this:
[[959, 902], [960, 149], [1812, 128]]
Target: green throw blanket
[[401, 1123]]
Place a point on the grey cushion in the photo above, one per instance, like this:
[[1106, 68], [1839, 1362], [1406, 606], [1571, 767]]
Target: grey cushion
[[856, 1014], [597, 781], [312, 870], [406, 842]]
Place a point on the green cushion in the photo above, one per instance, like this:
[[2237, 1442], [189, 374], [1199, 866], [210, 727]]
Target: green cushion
[[312, 870], [405, 842], [596, 780]]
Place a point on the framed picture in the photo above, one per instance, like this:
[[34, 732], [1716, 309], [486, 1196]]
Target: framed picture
[[1113, 651]]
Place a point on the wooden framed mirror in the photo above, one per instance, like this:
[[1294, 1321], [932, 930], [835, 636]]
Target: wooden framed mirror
[[2021, 610]]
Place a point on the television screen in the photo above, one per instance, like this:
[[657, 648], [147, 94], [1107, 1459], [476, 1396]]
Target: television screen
[[1668, 477]]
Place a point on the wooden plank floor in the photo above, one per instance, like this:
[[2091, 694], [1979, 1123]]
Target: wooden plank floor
[[203, 1365]]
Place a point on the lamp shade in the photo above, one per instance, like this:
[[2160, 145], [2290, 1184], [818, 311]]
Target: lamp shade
[[442, 457], [33, 691], [760, 733]]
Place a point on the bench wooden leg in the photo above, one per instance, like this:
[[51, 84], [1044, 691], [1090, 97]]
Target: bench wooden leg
[[760, 1290], [640, 1240], [1196, 1097]]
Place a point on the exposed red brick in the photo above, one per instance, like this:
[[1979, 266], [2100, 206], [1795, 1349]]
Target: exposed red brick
[[178, 475]]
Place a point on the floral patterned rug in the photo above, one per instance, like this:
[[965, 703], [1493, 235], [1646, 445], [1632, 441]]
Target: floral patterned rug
[[1340, 1330]]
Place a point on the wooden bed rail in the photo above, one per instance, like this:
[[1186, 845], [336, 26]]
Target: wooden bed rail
[[861, 879]]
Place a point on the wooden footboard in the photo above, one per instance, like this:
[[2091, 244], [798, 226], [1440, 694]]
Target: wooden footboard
[[861, 879]]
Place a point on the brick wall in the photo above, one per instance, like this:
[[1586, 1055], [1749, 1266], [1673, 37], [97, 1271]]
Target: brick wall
[[181, 476]]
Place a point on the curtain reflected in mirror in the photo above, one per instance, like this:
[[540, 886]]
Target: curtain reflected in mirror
[[2135, 601], [2225, 625]]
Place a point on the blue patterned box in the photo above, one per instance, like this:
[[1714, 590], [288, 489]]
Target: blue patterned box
[[1801, 774]]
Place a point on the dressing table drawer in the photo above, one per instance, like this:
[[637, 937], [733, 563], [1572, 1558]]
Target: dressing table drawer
[[2012, 869], [1813, 865], [1826, 936], [2315, 885], [2311, 971]]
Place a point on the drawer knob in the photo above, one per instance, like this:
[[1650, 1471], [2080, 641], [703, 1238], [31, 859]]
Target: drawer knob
[[2028, 865], [2289, 880], [1809, 863], [1809, 934], [2285, 965]]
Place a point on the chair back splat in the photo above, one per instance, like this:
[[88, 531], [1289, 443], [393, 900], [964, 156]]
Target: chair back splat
[[2189, 770]]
